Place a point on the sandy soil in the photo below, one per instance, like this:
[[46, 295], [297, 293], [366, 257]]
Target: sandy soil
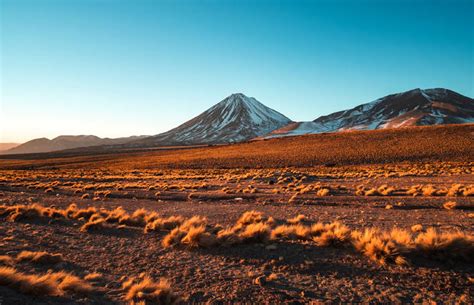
[[304, 271]]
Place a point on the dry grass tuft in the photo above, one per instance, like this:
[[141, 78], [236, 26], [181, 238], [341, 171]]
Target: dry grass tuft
[[93, 225], [323, 192], [416, 228], [333, 234], [39, 257], [445, 246], [449, 205], [199, 237], [71, 283], [49, 284], [147, 291], [28, 284], [298, 219], [294, 231], [383, 247], [93, 276], [164, 223], [251, 217], [228, 237], [137, 219], [6, 260], [190, 226], [256, 232]]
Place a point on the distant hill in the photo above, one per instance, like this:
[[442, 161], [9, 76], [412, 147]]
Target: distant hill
[[65, 142], [411, 108], [6, 146]]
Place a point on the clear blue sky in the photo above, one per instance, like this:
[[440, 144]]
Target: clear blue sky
[[120, 68]]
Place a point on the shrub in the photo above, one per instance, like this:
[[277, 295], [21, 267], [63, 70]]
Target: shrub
[[298, 219], [450, 205], [255, 232], [334, 234], [383, 247], [147, 291], [39, 257], [49, 284], [445, 246], [293, 231], [93, 225], [199, 237], [323, 192]]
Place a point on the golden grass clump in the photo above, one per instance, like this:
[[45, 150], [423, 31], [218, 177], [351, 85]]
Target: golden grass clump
[[84, 213], [414, 190], [49, 284], [199, 237], [333, 234], [177, 235], [292, 231], [93, 225], [85, 196], [168, 223], [385, 190], [383, 247], [137, 219], [147, 291], [39, 257], [255, 232], [297, 219], [468, 191], [6, 260], [251, 217], [24, 212], [323, 192], [71, 210], [446, 245], [293, 198], [71, 283], [28, 284], [93, 276], [449, 205], [416, 228], [428, 190], [229, 236]]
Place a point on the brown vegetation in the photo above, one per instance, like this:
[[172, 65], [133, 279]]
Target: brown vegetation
[[147, 291], [53, 283]]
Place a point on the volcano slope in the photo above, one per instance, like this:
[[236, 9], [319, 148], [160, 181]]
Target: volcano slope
[[377, 216]]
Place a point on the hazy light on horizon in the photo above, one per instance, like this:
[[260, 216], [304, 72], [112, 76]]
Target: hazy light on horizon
[[122, 68]]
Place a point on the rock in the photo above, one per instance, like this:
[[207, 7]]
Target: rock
[[271, 247]]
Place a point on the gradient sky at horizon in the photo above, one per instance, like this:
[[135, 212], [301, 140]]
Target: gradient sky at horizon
[[121, 68]]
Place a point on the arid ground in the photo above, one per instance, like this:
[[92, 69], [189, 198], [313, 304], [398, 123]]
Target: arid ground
[[379, 217]]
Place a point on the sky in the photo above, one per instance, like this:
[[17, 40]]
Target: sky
[[117, 68]]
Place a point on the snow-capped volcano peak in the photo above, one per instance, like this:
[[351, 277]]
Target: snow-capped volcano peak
[[236, 118]]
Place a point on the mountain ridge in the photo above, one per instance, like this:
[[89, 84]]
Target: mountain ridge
[[239, 118], [416, 107]]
